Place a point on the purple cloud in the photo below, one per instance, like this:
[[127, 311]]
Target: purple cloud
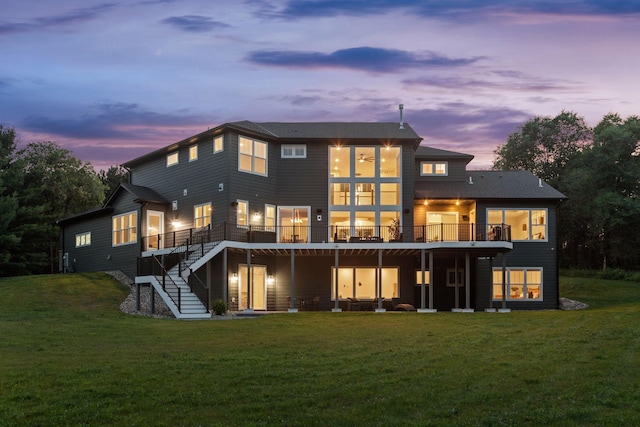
[[74, 17], [470, 9], [194, 23], [117, 121], [358, 58]]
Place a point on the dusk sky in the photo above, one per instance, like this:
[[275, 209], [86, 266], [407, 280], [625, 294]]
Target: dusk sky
[[114, 80]]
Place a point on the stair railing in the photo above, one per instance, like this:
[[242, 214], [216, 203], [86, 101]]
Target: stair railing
[[164, 278]]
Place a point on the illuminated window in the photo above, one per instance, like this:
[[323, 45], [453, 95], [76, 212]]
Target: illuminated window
[[242, 215], [252, 156], [522, 284], [193, 152], [202, 215], [269, 217], [434, 168], [83, 239], [360, 282], [172, 159], [526, 224], [218, 144], [125, 229]]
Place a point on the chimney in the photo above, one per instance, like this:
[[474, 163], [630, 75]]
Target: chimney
[[401, 122]]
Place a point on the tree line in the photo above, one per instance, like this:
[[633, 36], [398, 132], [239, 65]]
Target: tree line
[[598, 169], [39, 185]]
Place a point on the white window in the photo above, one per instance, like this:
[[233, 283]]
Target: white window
[[193, 152], [525, 224], [434, 168], [269, 217], [252, 156], [202, 215], [172, 159], [294, 151], [125, 229], [83, 239], [364, 192], [360, 282], [218, 144], [242, 215], [522, 284]]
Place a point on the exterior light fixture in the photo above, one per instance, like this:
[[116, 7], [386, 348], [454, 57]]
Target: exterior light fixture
[[234, 278], [270, 279]]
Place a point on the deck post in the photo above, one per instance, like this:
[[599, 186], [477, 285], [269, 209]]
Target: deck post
[[504, 308], [293, 308], [467, 282], [249, 283], [379, 309], [336, 308], [225, 277], [456, 288]]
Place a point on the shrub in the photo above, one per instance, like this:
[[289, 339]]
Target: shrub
[[219, 307]]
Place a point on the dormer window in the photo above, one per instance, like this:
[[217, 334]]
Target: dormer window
[[434, 168]]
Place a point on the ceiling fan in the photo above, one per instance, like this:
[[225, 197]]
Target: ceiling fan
[[364, 158]]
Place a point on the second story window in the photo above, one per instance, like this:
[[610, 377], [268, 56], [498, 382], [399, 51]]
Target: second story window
[[193, 152], [202, 215], [294, 151], [252, 156], [172, 159], [218, 144], [242, 215], [434, 168]]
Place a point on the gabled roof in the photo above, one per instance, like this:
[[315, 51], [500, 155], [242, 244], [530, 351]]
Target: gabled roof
[[489, 185], [298, 131], [141, 194], [85, 215], [424, 152], [332, 130]]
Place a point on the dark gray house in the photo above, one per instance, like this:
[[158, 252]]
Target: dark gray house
[[329, 216]]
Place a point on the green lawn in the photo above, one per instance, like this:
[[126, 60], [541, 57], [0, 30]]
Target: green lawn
[[69, 357]]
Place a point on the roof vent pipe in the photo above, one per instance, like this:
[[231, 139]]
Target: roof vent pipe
[[401, 122], [470, 180], [540, 182]]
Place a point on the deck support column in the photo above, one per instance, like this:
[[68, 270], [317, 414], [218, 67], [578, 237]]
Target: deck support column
[[152, 298], [504, 308], [336, 308], [490, 309], [467, 283], [225, 277], [138, 296], [379, 308], [293, 308], [249, 284], [422, 309], [456, 287]]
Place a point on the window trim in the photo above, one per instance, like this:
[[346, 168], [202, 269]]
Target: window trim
[[193, 158], [253, 156], [524, 270], [434, 165], [530, 225], [246, 213], [204, 218], [216, 139], [120, 230], [87, 239], [293, 154], [170, 156]]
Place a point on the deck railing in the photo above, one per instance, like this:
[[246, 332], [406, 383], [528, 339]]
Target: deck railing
[[457, 232]]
